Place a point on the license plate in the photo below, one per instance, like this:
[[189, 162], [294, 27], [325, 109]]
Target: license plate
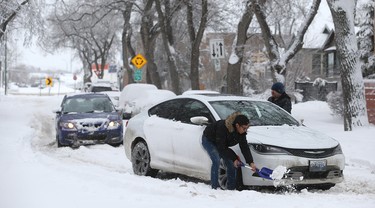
[[317, 165]]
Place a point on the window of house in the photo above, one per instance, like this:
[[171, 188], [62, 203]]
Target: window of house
[[316, 64], [330, 64]]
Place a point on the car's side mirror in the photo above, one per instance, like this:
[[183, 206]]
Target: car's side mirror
[[200, 120], [126, 116], [301, 122], [57, 111]]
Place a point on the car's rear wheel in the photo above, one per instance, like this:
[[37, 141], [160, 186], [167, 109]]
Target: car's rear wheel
[[141, 160]]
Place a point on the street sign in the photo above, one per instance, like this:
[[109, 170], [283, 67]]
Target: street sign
[[217, 64], [49, 81], [139, 61], [138, 75], [217, 49]]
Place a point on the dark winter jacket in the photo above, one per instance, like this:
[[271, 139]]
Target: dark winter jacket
[[223, 134], [283, 101]]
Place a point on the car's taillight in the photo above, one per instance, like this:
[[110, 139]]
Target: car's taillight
[[126, 123]]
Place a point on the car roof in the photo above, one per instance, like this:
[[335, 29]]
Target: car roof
[[78, 95], [217, 97]]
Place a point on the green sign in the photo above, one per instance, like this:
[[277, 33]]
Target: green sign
[[138, 75]]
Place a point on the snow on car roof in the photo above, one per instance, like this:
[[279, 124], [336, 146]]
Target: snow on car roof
[[84, 94], [216, 97]]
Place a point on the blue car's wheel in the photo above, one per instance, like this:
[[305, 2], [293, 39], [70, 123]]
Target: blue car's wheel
[[141, 160], [58, 142]]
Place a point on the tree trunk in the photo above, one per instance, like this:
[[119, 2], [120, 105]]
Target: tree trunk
[[355, 113], [168, 42], [148, 35], [127, 48], [195, 39], [234, 85]]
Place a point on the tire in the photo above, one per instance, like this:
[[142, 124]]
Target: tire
[[58, 143], [141, 160], [223, 178]]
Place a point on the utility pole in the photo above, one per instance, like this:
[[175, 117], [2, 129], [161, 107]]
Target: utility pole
[[5, 64]]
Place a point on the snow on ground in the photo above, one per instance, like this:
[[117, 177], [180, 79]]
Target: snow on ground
[[36, 174]]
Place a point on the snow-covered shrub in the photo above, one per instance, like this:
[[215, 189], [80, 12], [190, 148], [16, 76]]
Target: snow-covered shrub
[[335, 101]]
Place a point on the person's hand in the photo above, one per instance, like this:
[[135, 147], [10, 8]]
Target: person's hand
[[237, 163], [253, 167]]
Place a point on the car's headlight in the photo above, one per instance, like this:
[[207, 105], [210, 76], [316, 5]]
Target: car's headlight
[[265, 149], [337, 150], [114, 124], [68, 126]]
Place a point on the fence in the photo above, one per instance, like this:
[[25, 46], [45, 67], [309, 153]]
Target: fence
[[370, 99]]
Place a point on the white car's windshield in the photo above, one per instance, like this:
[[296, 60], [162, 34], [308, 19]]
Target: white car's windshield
[[259, 113]]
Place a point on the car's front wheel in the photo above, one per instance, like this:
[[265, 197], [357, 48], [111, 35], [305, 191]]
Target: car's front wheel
[[223, 175], [141, 160]]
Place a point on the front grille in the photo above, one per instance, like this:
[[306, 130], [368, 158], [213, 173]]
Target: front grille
[[91, 125], [95, 137], [316, 153], [299, 173]]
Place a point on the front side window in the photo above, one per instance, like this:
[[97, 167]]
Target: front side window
[[192, 108], [259, 113]]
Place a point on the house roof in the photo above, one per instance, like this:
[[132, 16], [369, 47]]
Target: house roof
[[320, 29]]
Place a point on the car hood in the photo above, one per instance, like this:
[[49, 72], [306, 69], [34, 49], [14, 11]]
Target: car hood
[[78, 116], [295, 137]]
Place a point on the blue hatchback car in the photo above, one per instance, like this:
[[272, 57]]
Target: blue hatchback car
[[88, 118]]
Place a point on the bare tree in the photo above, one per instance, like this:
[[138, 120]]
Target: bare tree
[[195, 38], [149, 32], [168, 40], [25, 14], [355, 113], [89, 27], [8, 12], [279, 61], [127, 48], [365, 35], [234, 67]]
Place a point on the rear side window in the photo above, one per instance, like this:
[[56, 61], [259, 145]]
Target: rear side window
[[168, 109], [181, 110], [100, 89]]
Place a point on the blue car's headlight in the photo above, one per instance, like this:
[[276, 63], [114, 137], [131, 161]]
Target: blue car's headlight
[[68, 126], [266, 149], [114, 124]]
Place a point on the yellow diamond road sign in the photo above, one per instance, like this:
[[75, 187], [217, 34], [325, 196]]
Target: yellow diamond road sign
[[49, 81], [139, 61]]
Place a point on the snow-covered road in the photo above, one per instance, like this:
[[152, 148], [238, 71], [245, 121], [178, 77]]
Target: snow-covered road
[[36, 174]]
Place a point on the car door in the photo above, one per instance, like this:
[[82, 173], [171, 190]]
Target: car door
[[160, 129], [189, 154]]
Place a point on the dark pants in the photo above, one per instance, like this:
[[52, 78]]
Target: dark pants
[[215, 158]]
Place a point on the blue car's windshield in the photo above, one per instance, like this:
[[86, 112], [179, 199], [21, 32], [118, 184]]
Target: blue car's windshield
[[259, 113], [87, 105]]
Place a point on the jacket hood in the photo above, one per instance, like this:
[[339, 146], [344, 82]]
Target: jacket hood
[[229, 121]]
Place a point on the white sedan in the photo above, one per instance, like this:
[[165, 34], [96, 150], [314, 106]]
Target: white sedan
[[168, 137]]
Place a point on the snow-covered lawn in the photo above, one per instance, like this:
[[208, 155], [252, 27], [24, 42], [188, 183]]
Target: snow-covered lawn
[[34, 173]]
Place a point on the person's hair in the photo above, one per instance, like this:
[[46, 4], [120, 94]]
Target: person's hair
[[241, 120]]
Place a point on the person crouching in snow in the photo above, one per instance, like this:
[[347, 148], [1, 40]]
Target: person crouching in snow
[[216, 140]]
